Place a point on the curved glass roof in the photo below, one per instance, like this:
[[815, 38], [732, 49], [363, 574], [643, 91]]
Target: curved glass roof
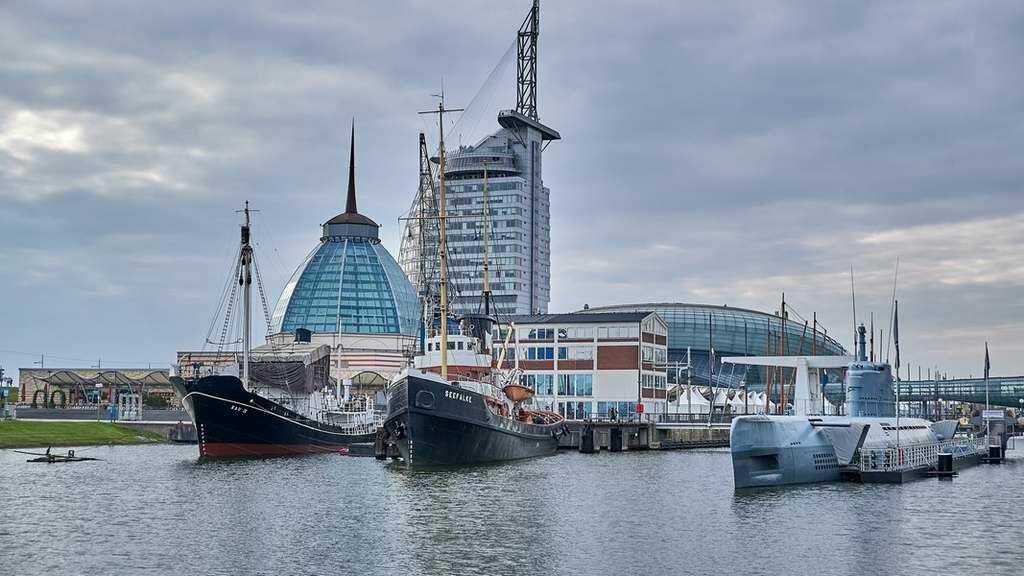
[[352, 279], [734, 331], [349, 284]]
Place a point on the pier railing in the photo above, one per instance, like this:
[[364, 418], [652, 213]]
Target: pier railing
[[694, 418], [915, 456], [634, 418]]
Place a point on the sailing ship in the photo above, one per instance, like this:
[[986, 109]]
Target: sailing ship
[[282, 402], [454, 407]]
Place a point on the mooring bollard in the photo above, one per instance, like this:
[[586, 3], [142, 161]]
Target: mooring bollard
[[615, 440], [588, 440], [945, 463]]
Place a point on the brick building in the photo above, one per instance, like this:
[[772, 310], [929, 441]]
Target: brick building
[[590, 365]]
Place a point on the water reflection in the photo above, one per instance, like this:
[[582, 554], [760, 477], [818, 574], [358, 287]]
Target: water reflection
[[154, 510]]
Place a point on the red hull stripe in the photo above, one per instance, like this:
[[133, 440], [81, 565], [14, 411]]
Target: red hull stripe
[[231, 449]]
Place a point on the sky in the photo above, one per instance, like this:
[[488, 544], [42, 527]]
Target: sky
[[713, 152]]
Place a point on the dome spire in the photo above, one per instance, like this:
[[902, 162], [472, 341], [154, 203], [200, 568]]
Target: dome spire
[[350, 223], [350, 203]]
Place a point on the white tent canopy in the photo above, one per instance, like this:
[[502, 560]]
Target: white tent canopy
[[691, 401], [737, 404], [721, 399], [807, 392]]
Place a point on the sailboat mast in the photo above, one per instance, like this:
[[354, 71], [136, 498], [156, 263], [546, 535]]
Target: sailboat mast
[[245, 279], [487, 263], [424, 159], [782, 371], [442, 213]]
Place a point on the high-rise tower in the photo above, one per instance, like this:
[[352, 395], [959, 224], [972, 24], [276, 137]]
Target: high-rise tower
[[519, 206]]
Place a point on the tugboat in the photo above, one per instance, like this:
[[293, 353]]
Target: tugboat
[[282, 403], [433, 420], [454, 407]]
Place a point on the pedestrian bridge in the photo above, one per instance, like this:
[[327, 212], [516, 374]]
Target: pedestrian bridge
[[1002, 391]]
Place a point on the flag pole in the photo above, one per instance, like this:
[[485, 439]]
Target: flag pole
[[988, 423]]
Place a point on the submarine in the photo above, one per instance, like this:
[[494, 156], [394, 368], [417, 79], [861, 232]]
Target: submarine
[[867, 443]]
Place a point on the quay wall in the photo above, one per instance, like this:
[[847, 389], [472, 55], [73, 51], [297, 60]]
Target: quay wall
[[648, 436]]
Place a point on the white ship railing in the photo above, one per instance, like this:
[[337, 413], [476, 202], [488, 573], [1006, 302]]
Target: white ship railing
[[369, 423], [916, 456]]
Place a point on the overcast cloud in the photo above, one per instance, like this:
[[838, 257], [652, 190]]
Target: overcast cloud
[[718, 152]]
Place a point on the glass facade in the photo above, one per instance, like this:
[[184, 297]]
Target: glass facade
[[349, 286], [729, 332], [519, 244]]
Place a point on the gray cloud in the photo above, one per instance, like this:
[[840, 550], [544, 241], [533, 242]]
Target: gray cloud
[[718, 153]]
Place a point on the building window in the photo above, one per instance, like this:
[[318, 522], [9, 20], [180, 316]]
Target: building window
[[576, 384], [575, 410], [542, 384], [540, 334], [540, 353], [581, 333], [581, 353]]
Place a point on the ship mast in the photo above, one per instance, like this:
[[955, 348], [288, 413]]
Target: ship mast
[[442, 213], [487, 275], [245, 280], [782, 371]]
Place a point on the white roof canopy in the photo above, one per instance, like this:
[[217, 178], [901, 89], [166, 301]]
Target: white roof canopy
[[792, 361], [807, 392]]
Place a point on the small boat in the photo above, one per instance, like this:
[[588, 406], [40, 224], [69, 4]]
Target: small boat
[[51, 458]]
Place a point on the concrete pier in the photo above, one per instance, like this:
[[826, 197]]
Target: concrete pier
[[646, 435]]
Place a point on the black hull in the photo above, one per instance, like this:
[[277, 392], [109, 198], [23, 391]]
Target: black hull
[[234, 423], [436, 424]]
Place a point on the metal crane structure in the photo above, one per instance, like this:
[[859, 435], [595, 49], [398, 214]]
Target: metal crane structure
[[526, 63], [421, 239]]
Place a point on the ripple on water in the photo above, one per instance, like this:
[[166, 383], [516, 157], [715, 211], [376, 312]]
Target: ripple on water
[[156, 510]]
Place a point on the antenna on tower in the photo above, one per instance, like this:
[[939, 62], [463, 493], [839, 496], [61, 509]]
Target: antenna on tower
[[526, 63]]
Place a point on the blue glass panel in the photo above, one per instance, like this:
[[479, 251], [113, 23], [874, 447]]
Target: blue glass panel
[[352, 284]]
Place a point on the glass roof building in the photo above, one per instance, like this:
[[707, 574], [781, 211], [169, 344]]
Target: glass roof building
[[729, 332], [349, 283]]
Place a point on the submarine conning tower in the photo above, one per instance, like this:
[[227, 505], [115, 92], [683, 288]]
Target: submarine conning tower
[[869, 389]]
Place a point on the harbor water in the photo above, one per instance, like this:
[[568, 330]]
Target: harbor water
[[157, 510]]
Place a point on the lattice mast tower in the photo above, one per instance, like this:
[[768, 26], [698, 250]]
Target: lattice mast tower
[[526, 63]]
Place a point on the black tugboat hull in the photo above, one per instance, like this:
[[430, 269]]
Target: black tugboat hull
[[436, 424], [234, 423]]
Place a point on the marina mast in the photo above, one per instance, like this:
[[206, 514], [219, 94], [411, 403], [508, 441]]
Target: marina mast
[[245, 280], [442, 212], [487, 275]]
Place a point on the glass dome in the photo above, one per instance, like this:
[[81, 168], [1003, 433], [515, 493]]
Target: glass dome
[[354, 279], [349, 284]]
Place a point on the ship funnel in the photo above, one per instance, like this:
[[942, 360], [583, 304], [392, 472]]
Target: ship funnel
[[479, 326]]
